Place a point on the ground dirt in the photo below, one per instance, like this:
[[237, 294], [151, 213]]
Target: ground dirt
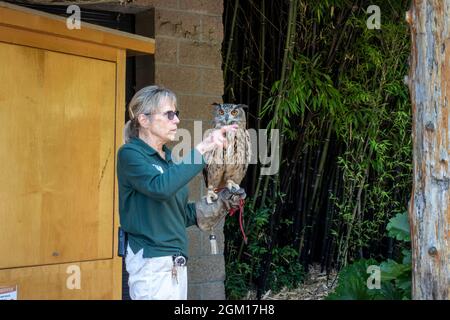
[[317, 286]]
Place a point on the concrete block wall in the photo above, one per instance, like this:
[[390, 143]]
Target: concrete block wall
[[189, 35]]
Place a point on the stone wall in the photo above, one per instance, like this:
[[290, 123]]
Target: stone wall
[[188, 60]]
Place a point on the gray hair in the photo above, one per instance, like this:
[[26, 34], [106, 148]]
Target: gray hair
[[145, 101]]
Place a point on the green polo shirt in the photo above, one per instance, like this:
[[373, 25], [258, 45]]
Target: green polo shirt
[[153, 198]]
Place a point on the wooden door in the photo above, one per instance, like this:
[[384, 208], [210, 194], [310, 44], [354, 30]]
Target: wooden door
[[57, 136], [61, 118], [57, 115]]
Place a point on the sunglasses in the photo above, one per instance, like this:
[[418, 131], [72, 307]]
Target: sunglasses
[[170, 114]]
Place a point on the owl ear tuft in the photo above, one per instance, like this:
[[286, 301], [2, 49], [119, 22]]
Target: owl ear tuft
[[243, 106], [215, 104]]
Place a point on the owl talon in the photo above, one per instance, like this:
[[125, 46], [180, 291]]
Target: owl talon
[[211, 196], [233, 187]]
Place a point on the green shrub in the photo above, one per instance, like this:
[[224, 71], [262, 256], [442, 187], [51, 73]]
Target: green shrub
[[244, 268], [395, 276]]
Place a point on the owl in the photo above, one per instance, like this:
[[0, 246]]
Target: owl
[[226, 167]]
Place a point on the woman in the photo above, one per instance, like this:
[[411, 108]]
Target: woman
[[153, 195]]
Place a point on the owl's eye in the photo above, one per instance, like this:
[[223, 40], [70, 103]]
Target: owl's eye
[[234, 112], [221, 112]]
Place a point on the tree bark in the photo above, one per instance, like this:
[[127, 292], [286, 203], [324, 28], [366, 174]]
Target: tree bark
[[429, 79]]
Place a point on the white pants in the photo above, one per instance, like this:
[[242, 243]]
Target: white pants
[[151, 278]]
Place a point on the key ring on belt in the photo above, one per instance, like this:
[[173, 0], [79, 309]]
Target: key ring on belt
[[179, 260]]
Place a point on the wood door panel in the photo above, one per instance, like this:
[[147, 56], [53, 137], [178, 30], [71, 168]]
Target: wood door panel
[[96, 281], [57, 116]]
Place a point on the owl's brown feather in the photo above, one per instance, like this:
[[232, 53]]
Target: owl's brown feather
[[230, 163]]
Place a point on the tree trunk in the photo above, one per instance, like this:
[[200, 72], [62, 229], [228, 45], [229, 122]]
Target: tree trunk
[[429, 79]]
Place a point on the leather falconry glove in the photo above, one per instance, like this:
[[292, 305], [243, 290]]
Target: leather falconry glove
[[210, 214]]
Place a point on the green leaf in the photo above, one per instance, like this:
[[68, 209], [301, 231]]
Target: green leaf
[[352, 283], [404, 283], [398, 227], [391, 270], [406, 256], [389, 291]]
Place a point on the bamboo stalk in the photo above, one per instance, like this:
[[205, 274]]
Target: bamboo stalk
[[306, 200], [277, 120], [262, 62], [355, 208], [230, 41], [329, 218], [278, 123], [318, 181]]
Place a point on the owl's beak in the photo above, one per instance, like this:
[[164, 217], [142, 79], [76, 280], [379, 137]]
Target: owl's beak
[[226, 118]]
